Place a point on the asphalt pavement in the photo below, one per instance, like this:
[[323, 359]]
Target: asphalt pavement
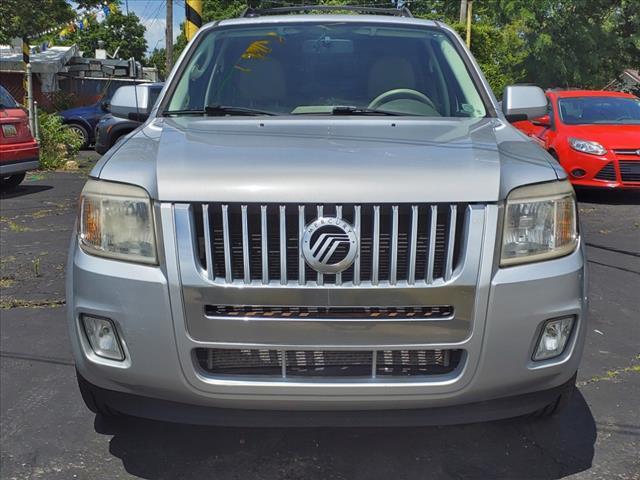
[[47, 433]]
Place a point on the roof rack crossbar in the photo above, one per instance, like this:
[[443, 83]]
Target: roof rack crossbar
[[257, 12]]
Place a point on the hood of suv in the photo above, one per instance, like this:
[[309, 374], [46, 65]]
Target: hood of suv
[[609, 136], [337, 160]]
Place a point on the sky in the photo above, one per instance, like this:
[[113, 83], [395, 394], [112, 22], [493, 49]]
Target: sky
[[153, 14]]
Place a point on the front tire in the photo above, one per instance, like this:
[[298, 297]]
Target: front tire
[[81, 132], [93, 400], [9, 183]]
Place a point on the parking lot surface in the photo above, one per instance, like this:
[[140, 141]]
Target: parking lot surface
[[47, 433]]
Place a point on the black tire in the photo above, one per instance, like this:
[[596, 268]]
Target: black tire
[[560, 403], [92, 399], [9, 183], [82, 132]]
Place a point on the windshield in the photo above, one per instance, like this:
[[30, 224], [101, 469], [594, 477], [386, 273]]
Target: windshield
[[6, 100], [312, 68], [602, 110]]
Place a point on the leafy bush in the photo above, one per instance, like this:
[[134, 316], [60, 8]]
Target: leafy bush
[[58, 144]]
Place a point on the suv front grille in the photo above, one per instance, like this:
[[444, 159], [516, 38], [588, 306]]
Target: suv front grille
[[327, 363], [397, 243]]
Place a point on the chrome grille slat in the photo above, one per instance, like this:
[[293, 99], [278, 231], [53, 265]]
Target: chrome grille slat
[[264, 244], [393, 272], [227, 245], [301, 262], [398, 244], [376, 245], [245, 246], [432, 243], [283, 245], [356, 264], [320, 276], [339, 215], [450, 242], [413, 245], [208, 248]]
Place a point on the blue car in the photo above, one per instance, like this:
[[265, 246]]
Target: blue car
[[85, 119]]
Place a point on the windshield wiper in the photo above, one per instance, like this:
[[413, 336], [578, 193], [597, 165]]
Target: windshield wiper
[[225, 110], [351, 110], [220, 110]]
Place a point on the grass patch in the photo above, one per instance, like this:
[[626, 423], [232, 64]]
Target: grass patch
[[13, 226], [612, 374], [9, 303]]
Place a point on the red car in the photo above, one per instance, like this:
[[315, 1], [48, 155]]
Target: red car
[[19, 151], [595, 135]]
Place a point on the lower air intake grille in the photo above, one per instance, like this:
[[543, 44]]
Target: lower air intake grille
[[327, 363], [630, 171], [607, 173]]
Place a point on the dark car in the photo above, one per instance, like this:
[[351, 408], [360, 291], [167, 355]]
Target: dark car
[[110, 129], [85, 119]]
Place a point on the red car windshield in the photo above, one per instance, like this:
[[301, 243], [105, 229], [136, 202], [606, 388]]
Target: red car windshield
[[599, 110]]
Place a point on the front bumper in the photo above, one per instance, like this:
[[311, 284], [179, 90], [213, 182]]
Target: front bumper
[[164, 410], [509, 308], [607, 171]]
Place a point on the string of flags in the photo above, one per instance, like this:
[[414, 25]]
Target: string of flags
[[84, 20]]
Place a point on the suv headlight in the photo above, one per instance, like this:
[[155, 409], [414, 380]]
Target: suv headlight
[[585, 146], [116, 221], [540, 223]]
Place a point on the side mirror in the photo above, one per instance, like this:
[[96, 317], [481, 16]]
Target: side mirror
[[104, 106], [131, 102], [543, 121], [523, 102]]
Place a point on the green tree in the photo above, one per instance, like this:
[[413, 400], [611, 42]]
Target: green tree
[[120, 32], [500, 51], [26, 18], [157, 59]]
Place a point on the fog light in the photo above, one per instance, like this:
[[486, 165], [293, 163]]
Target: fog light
[[553, 338], [578, 172], [103, 338]]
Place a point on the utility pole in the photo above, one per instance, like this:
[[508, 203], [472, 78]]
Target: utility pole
[[169, 36], [463, 11], [28, 83], [193, 17], [469, 13]]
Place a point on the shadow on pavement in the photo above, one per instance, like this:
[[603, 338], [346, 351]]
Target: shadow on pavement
[[517, 448], [609, 197], [22, 190]]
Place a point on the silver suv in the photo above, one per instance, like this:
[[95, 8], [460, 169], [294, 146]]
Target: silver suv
[[326, 219]]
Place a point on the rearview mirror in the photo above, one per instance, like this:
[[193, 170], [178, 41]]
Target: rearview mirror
[[543, 121], [523, 102], [131, 102]]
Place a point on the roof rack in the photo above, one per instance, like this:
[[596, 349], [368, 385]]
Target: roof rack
[[258, 12]]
